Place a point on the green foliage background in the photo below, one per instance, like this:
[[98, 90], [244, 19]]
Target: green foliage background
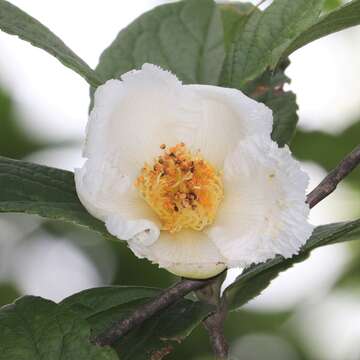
[[26, 188]]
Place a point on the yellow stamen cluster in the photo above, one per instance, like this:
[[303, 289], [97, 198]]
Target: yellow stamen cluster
[[182, 188]]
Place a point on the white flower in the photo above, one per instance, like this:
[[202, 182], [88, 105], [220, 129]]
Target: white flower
[[189, 176]]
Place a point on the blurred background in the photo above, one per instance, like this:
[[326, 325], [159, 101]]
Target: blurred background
[[310, 312]]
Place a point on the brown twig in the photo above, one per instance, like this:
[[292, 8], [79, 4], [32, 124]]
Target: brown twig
[[214, 324], [260, 3], [329, 184], [165, 299]]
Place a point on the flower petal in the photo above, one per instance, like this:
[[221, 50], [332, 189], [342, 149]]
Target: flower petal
[[125, 214], [264, 211], [130, 120], [187, 253], [142, 231], [228, 116], [133, 117]]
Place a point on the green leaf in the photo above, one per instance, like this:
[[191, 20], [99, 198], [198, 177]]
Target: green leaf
[[8, 293], [330, 5], [284, 107], [14, 142], [153, 339], [340, 19], [234, 15], [234, 18], [41, 190], [34, 328], [258, 277], [16, 22], [184, 37], [267, 88], [261, 41]]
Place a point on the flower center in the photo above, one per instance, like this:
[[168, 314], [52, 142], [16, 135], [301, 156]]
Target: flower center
[[182, 188]]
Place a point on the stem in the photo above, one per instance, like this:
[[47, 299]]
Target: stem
[[260, 3], [214, 324], [165, 299], [329, 184]]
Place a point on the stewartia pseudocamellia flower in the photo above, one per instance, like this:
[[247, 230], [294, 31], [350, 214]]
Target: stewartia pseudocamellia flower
[[188, 175]]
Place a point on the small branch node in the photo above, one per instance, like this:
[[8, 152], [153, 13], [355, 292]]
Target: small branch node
[[214, 324]]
